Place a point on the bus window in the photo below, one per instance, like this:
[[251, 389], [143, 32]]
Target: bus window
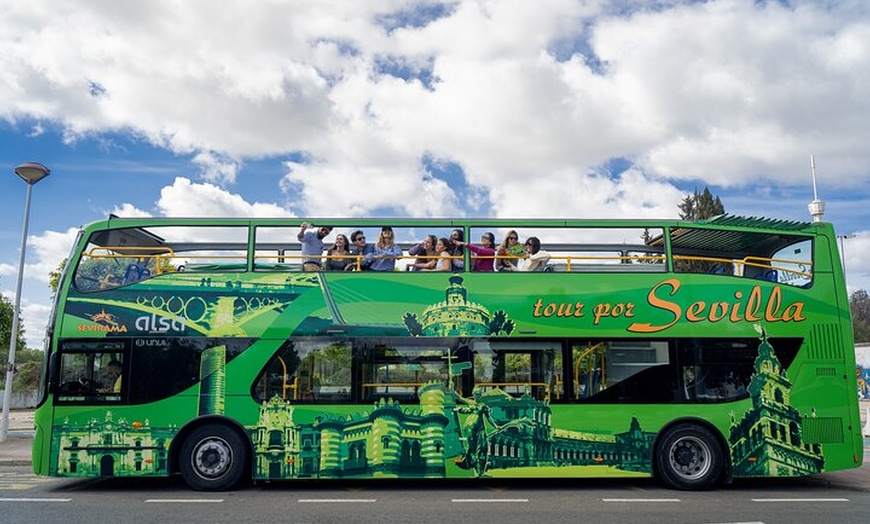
[[794, 264], [397, 368], [305, 371], [624, 371], [715, 371], [92, 372], [519, 368]]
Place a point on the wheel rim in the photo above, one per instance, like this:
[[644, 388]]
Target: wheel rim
[[212, 457], [690, 458]]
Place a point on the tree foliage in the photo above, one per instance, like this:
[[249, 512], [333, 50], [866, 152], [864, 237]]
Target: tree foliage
[[859, 304], [6, 314], [54, 277], [699, 206]]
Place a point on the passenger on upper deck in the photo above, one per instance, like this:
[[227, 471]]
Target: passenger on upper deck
[[386, 251], [360, 252], [312, 245], [425, 253], [339, 254], [456, 250], [484, 260], [536, 258], [510, 247], [444, 261]]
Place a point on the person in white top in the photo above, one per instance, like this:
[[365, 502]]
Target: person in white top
[[312, 245], [535, 258]]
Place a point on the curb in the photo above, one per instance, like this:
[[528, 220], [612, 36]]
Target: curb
[[15, 462]]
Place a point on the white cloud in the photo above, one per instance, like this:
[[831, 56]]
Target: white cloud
[[127, 210], [215, 168], [188, 199], [529, 99], [857, 251], [727, 91]]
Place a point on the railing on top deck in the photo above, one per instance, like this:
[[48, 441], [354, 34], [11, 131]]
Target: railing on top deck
[[165, 257]]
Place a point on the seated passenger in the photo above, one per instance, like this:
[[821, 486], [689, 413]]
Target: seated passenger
[[456, 250], [386, 252], [444, 262], [338, 256], [359, 251], [485, 253], [509, 251], [425, 253], [535, 258]]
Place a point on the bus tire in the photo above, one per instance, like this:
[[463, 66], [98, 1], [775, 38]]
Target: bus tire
[[213, 458], [689, 457]]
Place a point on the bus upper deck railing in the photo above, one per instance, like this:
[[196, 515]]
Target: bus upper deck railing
[[163, 259]]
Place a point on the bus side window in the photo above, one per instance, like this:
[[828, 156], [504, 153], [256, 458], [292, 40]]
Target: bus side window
[[306, 372], [91, 376]]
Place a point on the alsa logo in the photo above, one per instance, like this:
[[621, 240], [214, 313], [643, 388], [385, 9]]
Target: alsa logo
[[102, 323], [157, 324]]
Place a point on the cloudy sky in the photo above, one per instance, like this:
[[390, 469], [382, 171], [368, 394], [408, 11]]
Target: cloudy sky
[[514, 108]]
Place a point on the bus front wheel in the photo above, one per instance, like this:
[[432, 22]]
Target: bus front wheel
[[213, 458], [689, 457]]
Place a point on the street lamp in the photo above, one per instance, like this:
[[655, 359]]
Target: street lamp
[[31, 173]]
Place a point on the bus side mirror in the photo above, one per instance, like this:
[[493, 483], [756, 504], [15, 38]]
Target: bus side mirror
[[53, 371]]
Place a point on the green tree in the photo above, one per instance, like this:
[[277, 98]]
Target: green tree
[[6, 314], [859, 304], [54, 277], [699, 206]]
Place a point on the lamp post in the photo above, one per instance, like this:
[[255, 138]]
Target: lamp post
[[31, 173]]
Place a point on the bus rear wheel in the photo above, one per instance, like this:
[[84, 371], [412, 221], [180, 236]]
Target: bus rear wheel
[[213, 458], [689, 457]]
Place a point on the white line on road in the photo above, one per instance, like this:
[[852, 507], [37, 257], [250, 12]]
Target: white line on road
[[330, 501], [489, 500], [183, 501], [753, 522], [23, 499], [801, 500], [641, 500]]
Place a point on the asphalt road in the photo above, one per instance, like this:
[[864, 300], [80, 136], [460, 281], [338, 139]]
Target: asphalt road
[[25, 498]]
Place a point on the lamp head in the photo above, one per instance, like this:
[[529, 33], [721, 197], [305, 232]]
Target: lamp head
[[32, 172]]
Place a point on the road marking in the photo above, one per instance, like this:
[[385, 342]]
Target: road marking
[[31, 499], [753, 522], [489, 500], [183, 501], [801, 500], [641, 500], [330, 501], [17, 487]]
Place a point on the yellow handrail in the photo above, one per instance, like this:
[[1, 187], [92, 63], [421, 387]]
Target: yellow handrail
[[503, 384]]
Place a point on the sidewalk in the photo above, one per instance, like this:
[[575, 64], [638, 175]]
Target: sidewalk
[[16, 452], [19, 439]]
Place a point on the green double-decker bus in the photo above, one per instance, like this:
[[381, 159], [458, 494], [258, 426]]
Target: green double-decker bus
[[694, 352]]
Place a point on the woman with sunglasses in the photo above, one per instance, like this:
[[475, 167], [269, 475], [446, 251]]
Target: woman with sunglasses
[[510, 247], [386, 251], [484, 254]]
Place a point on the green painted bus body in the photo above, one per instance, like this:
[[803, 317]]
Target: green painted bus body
[[795, 419]]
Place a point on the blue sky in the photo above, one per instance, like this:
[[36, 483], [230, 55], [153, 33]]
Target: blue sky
[[559, 108]]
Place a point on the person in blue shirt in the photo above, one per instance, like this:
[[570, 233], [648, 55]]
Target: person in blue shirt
[[386, 251], [360, 251]]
